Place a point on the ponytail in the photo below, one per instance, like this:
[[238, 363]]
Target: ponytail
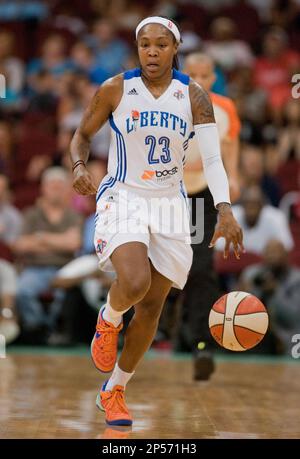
[[175, 63]]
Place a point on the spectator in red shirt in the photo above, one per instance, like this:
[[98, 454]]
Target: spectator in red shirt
[[274, 69]]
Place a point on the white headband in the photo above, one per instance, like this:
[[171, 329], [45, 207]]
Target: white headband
[[158, 20]]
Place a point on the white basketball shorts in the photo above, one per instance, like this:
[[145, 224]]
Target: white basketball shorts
[[159, 219]]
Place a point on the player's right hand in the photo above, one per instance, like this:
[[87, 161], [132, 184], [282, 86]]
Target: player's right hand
[[83, 182]]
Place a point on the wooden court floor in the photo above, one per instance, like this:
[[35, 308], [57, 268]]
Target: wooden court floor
[[53, 396]]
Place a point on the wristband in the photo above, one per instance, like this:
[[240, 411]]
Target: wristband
[[77, 163]]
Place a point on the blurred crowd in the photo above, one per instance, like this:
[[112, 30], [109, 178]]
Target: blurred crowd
[[53, 54]]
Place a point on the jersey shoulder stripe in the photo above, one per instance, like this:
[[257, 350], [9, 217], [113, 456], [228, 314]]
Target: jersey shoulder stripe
[[182, 77], [134, 73]]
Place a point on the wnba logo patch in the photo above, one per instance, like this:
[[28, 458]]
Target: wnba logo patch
[[178, 94], [101, 244]]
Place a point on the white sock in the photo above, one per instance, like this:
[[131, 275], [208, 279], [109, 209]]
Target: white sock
[[111, 315], [118, 378]]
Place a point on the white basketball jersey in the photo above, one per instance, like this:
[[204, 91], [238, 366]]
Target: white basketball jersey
[[149, 135]]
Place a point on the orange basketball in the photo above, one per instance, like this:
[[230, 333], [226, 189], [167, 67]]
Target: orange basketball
[[238, 321]]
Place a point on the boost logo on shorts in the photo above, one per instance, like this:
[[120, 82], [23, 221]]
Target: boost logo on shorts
[[160, 175], [101, 244]]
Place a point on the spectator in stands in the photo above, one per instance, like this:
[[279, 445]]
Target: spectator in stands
[[277, 285], [53, 59], [111, 52], [263, 9], [168, 8], [73, 100], [42, 98], [260, 222], [253, 173], [75, 91], [251, 101], [126, 14], [225, 49], [51, 236], [274, 69], [6, 148], [245, 17], [13, 69], [289, 135], [9, 326], [86, 286], [84, 60], [10, 218], [283, 12], [67, 17], [22, 10], [10, 229]]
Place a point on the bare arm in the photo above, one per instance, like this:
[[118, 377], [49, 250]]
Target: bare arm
[[45, 242], [29, 243], [68, 241], [104, 102]]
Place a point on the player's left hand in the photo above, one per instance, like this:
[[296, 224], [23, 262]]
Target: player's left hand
[[228, 228]]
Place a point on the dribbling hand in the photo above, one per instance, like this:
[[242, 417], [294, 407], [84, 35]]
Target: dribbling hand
[[228, 228]]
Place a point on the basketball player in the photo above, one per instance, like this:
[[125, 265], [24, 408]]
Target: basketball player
[[152, 111], [199, 297]]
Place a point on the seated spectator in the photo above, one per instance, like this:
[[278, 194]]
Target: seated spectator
[[126, 14], [51, 236], [9, 326], [228, 52], [111, 53], [42, 99], [22, 10], [251, 101], [67, 17], [289, 134], [6, 148], [260, 222], [274, 69], [13, 69], [75, 91], [277, 285], [245, 17], [53, 59], [10, 218], [283, 12], [253, 173], [86, 288], [84, 60], [74, 99]]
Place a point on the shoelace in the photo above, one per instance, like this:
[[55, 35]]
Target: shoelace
[[108, 334], [118, 402]]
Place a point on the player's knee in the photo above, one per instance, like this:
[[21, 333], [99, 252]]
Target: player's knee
[[136, 288]]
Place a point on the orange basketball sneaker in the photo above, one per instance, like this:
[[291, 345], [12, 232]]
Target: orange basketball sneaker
[[104, 347], [113, 403]]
